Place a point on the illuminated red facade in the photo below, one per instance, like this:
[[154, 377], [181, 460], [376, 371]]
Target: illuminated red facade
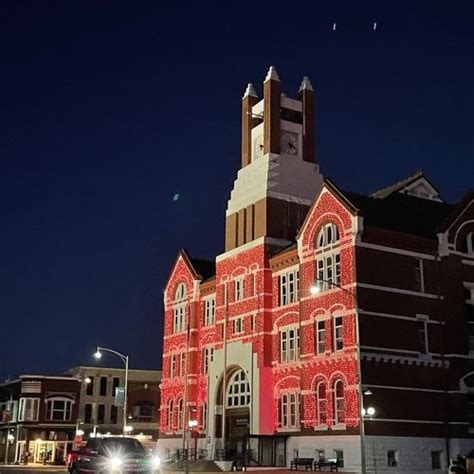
[[252, 352]]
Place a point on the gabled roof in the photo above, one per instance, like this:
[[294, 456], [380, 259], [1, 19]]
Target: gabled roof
[[204, 268], [406, 185], [402, 213], [457, 210]]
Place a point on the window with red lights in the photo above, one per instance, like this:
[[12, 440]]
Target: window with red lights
[[339, 409], [321, 403]]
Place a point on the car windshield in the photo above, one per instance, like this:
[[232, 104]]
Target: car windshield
[[120, 445]]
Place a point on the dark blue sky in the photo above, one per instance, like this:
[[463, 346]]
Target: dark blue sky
[[108, 109]]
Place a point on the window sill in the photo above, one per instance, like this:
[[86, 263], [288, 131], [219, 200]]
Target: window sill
[[322, 427], [288, 430], [339, 427]]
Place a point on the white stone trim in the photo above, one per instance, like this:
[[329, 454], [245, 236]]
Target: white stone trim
[[399, 290], [411, 389], [250, 245], [397, 316], [383, 248]]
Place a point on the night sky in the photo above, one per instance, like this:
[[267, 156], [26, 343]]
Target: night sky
[[109, 109]]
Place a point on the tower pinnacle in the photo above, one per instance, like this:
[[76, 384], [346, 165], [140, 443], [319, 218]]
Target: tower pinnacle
[[305, 84], [272, 74], [250, 91]]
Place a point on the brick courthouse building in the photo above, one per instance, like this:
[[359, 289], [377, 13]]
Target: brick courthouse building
[[252, 352]]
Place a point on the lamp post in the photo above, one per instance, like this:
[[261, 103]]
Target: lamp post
[[316, 289], [191, 425], [98, 355]]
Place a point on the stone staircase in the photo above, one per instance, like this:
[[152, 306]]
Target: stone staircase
[[200, 465]]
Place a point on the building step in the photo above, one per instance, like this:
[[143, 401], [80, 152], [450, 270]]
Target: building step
[[200, 465]]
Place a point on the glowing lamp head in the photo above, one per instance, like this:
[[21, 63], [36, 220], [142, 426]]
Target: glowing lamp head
[[315, 289], [87, 380], [192, 423], [371, 411], [97, 354]]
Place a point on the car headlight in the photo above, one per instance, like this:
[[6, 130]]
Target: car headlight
[[156, 462], [115, 462]]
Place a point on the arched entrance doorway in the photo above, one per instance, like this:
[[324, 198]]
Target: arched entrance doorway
[[236, 407]]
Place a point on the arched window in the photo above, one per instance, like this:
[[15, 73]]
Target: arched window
[[238, 390], [328, 235], [204, 416], [179, 306], [339, 415], [328, 265], [180, 414], [169, 421], [321, 404]]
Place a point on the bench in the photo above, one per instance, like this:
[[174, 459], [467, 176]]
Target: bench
[[307, 463], [331, 463]]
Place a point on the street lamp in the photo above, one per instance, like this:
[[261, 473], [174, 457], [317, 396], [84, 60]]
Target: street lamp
[[315, 290], [98, 355], [191, 424]]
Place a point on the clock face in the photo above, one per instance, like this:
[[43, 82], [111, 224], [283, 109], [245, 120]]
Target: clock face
[[258, 146], [289, 143]]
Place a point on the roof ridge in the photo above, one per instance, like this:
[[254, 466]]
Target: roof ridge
[[382, 192]]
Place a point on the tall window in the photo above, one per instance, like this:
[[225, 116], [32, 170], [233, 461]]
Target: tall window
[[238, 325], [289, 286], [180, 414], [103, 387], [113, 414], [321, 403], [392, 458], [88, 413], [289, 410], [179, 307], [115, 385], [339, 415], [174, 366], [289, 344], [207, 358], [100, 414], [238, 391], [239, 288], [338, 334], [169, 421], [419, 280], [90, 387], [329, 260], [29, 409], [422, 335], [320, 337], [182, 364], [58, 409], [204, 416], [468, 244], [209, 311]]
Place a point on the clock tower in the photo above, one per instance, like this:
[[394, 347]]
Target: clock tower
[[278, 179]]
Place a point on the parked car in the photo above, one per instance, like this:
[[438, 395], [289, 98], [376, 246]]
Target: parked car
[[114, 455], [457, 468]]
